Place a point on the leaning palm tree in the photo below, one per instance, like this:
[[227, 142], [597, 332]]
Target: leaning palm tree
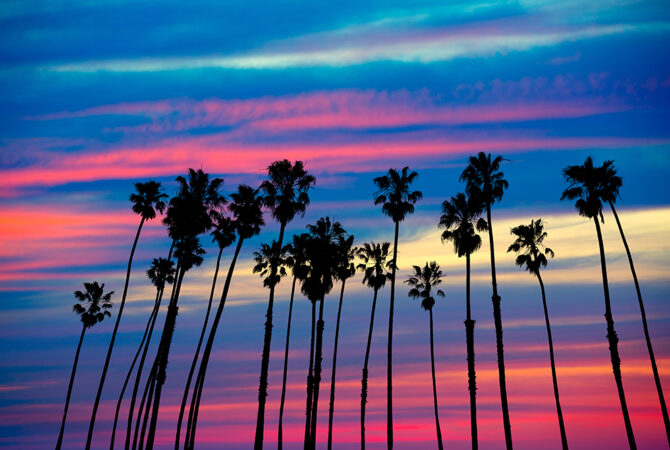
[[374, 265], [532, 255], [587, 186], [397, 201], [483, 177], [343, 272], [146, 199], [423, 282], [286, 194], [461, 217], [94, 308]]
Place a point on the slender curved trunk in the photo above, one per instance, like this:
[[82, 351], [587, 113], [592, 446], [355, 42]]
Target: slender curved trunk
[[318, 360], [197, 353], [364, 379], [432, 367], [614, 341], [331, 408], [497, 317], [561, 424], [652, 359], [389, 350], [210, 343], [91, 425], [143, 414], [59, 444], [265, 358], [280, 431], [470, 344], [310, 378]]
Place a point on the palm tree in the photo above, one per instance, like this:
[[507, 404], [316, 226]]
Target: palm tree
[[146, 199], [423, 282], [286, 194], [529, 243], [95, 308], [224, 236], [397, 201], [483, 177], [461, 216], [246, 208], [343, 271], [374, 265], [588, 189]]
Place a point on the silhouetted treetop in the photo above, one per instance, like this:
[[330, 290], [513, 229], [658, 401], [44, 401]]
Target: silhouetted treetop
[[529, 241], [424, 282], [148, 198], [94, 304], [484, 179], [461, 216], [394, 193], [286, 190]]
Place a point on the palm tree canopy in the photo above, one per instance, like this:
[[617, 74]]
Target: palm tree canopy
[[268, 257], [461, 216], [286, 190], [590, 186], [148, 198], [246, 207], [346, 254], [95, 304], [483, 178], [161, 272], [375, 263], [296, 258], [529, 244], [394, 193], [424, 282], [189, 252], [224, 231]]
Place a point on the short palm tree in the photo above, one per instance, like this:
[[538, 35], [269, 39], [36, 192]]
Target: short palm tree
[[94, 307], [484, 178], [146, 200], [461, 218], [423, 283], [532, 255], [397, 200], [286, 193], [374, 265], [587, 186]]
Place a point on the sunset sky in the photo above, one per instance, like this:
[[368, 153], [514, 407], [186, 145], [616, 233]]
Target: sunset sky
[[97, 96]]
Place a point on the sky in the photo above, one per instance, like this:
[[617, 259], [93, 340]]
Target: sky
[[95, 96]]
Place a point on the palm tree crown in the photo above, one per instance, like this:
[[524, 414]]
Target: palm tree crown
[[346, 268], [590, 186], [161, 271], [95, 304], [424, 282], [286, 192], [268, 257], [323, 257], [224, 231], [246, 207], [375, 263], [296, 258], [461, 216], [148, 198], [483, 178], [189, 253], [394, 193], [529, 245]]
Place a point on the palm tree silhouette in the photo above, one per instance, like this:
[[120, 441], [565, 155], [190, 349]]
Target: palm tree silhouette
[[397, 201], [484, 178], [146, 199], [246, 207], [588, 188], [286, 194], [343, 271], [94, 308], [529, 243], [461, 216], [374, 265], [423, 282]]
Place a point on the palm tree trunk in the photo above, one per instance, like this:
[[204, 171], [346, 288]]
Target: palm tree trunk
[[91, 425], [470, 344], [364, 379], [432, 367], [497, 317], [197, 353], [265, 358], [389, 350], [144, 415], [318, 359], [310, 382], [331, 409], [210, 343], [59, 444], [561, 424], [652, 359], [614, 341], [280, 431]]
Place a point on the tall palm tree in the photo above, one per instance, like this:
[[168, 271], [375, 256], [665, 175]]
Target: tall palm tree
[[146, 199], [246, 208], [94, 308], [424, 282], [461, 217], [612, 184], [343, 272], [532, 255], [224, 236], [374, 265], [397, 200], [483, 177], [286, 194], [587, 187]]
